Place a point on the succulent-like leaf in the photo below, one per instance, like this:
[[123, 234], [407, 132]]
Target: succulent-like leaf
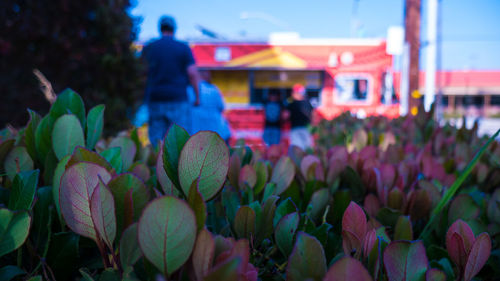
[[264, 226], [43, 137], [283, 174], [14, 229], [130, 252], [233, 173], [102, 209], [195, 201], [77, 186], [114, 157], [29, 134], [81, 154], [139, 193], [457, 248], [307, 260], [308, 166], [478, 255], [228, 271], [434, 274], [128, 150], [354, 221], [347, 269], [56, 182], [285, 207], [68, 102], [285, 232], [95, 124], [403, 229], [463, 207], [18, 160], [166, 233], [8, 272], [166, 184], [174, 141], [203, 254], [248, 177], [244, 222], [66, 135], [205, 156], [262, 176], [405, 260], [23, 190], [319, 201]]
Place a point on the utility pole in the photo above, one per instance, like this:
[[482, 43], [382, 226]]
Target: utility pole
[[412, 36], [431, 53]]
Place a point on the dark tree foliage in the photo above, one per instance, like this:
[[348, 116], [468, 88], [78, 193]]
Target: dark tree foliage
[[83, 45]]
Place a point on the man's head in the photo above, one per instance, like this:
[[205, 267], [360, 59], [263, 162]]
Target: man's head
[[167, 25], [298, 92]]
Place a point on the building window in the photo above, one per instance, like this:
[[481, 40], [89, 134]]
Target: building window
[[476, 101], [495, 100], [444, 101], [352, 88]]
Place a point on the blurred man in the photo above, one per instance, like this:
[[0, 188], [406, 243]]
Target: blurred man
[[171, 68], [299, 111], [273, 114]]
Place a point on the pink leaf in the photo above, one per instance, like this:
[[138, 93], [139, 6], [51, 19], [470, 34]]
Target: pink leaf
[[351, 244], [203, 254], [354, 221], [370, 240], [102, 209], [404, 260], [77, 185], [478, 255], [461, 228], [347, 269]]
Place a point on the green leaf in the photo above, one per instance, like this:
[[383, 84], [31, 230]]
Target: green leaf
[[166, 233], [265, 226], [102, 210], [405, 260], [18, 160], [66, 135], [36, 278], [285, 207], [307, 261], [351, 179], [166, 184], [120, 187], [81, 154], [174, 141], [403, 229], [56, 182], [8, 272], [244, 222], [5, 148], [29, 134], [43, 137], [130, 252], [77, 186], [114, 157], [319, 201], [463, 207], [95, 119], [23, 190], [205, 156], [42, 217], [262, 175], [14, 229], [285, 232], [454, 188], [63, 256], [128, 150], [68, 102], [283, 174], [195, 201]]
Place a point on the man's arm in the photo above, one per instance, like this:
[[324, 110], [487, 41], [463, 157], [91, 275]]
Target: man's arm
[[194, 79]]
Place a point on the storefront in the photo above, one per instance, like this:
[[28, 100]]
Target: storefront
[[339, 75]]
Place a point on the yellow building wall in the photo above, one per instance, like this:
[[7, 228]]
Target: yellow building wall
[[233, 85]]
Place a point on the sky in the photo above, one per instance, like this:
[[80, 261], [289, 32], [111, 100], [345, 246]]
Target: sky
[[470, 28]]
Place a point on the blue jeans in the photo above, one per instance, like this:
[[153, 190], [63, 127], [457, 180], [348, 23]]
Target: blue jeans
[[272, 135], [163, 114]]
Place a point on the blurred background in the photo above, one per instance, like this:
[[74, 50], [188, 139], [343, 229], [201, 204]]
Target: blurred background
[[386, 57]]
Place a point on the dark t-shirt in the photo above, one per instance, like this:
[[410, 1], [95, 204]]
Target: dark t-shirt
[[272, 111], [300, 113], [168, 60]]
